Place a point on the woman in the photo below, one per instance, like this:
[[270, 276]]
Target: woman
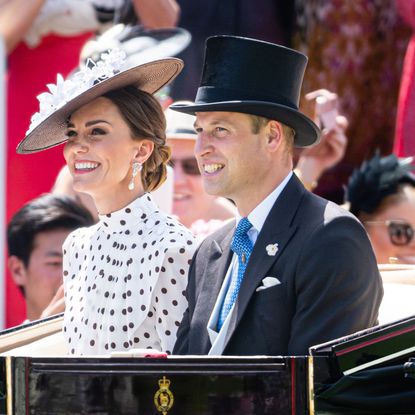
[[124, 277], [382, 195]]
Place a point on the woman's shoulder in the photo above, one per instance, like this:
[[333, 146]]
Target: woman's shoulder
[[78, 235], [172, 232]]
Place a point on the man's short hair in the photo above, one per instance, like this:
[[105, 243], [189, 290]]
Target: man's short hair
[[259, 122], [47, 212]]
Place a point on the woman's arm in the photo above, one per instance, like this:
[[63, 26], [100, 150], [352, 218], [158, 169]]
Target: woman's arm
[[157, 14], [16, 16]]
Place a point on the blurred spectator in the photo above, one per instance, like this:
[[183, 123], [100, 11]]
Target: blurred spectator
[[405, 121], [382, 195], [35, 236], [200, 212], [355, 48], [314, 161], [269, 20], [152, 14]]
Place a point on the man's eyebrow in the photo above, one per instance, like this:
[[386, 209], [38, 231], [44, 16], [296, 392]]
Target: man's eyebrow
[[54, 253], [214, 122]]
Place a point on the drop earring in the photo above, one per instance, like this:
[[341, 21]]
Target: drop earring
[[136, 168]]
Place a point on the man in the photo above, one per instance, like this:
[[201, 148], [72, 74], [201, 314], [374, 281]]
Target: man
[[303, 271], [35, 236], [196, 209]]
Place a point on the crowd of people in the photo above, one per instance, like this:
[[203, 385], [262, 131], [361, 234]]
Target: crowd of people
[[239, 253]]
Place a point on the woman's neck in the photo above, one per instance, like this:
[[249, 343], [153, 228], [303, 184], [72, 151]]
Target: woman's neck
[[116, 202]]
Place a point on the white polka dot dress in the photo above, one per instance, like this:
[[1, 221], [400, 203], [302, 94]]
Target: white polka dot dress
[[125, 279]]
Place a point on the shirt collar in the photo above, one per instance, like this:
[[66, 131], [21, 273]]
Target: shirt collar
[[259, 214]]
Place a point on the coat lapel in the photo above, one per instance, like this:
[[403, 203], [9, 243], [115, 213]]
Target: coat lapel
[[218, 263], [278, 228]]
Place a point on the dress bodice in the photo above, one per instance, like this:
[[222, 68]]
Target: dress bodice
[[125, 279]]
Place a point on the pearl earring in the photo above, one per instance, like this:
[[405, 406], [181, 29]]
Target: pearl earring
[[136, 168]]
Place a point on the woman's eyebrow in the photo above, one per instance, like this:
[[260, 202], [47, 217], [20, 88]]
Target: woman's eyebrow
[[88, 124]]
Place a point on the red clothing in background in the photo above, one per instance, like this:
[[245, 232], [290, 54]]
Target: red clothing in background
[[29, 70]]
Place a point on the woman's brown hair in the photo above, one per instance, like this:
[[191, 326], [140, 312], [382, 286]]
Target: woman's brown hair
[[144, 116]]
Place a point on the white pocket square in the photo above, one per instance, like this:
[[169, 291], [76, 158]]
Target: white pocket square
[[268, 282]]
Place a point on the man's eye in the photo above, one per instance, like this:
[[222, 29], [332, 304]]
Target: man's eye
[[54, 264], [220, 132]]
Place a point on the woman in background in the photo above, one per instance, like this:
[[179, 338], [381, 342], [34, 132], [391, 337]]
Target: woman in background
[[382, 195]]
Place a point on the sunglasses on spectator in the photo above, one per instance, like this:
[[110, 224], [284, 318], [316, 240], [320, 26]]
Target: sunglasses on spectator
[[188, 165], [400, 232]]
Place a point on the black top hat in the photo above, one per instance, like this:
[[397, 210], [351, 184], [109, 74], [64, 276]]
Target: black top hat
[[254, 77]]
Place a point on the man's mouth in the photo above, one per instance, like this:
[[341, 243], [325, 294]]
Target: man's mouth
[[180, 196], [212, 168]]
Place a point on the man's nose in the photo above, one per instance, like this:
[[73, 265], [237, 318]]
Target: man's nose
[[202, 145]]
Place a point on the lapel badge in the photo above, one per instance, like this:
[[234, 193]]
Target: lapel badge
[[272, 249]]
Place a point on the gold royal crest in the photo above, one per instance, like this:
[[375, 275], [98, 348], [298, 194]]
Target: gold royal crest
[[163, 398]]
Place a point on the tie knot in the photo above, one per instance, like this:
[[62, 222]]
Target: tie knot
[[243, 227], [241, 243]]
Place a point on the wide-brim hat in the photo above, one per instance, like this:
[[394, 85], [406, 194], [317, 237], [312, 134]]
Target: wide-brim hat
[[49, 125], [254, 77], [180, 126], [139, 44]]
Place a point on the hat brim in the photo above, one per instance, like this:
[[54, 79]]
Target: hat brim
[[148, 77], [306, 131]]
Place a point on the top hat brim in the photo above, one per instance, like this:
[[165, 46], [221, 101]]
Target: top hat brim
[[148, 77], [306, 131]]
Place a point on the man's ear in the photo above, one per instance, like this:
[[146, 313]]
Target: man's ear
[[143, 150], [275, 135], [17, 270]]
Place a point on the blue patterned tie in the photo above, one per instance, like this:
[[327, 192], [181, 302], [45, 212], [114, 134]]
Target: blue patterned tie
[[242, 246]]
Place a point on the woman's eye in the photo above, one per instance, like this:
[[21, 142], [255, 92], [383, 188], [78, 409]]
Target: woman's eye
[[98, 131], [70, 133]]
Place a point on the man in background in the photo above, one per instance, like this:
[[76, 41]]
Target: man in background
[[35, 235]]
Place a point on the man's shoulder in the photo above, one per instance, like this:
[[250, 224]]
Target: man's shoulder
[[219, 236]]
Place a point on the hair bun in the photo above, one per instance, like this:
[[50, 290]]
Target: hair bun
[[375, 179]]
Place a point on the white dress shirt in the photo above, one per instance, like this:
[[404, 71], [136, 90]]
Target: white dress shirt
[[257, 217]]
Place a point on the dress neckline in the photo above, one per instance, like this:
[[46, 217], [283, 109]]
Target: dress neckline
[[141, 208]]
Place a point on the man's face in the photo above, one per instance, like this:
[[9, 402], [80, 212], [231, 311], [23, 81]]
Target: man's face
[[190, 201], [232, 158], [43, 275]]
